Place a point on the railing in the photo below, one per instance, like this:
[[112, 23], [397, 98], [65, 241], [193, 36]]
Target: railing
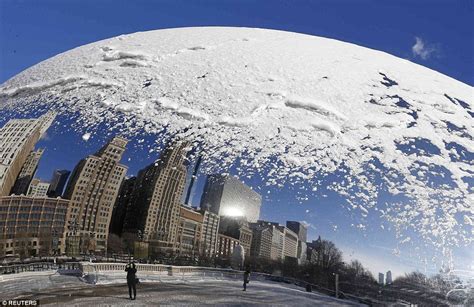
[[39, 266]]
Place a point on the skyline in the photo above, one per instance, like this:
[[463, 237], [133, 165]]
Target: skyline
[[433, 36], [334, 228]]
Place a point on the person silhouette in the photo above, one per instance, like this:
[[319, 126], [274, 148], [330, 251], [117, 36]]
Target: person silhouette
[[246, 279], [131, 279]]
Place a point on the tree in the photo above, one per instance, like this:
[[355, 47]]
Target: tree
[[327, 255]]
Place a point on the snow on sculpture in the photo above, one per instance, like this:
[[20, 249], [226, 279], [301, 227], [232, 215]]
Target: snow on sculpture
[[286, 106]]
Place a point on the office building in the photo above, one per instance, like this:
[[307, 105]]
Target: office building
[[228, 196], [388, 278], [225, 246], [290, 245], [155, 204], [188, 238], [17, 140], [27, 173], [278, 239], [93, 189], [381, 278], [301, 230], [261, 246], [38, 188], [210, 231], [237, 228], [58, 182], [32, 226]]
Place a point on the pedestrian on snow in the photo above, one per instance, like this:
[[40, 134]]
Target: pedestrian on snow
[[131, 279], [246, 279]]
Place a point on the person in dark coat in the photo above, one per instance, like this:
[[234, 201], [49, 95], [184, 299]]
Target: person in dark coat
[[131, 279], [246, 279]]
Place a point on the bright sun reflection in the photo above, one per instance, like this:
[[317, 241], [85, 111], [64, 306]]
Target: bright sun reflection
[[232, 211]]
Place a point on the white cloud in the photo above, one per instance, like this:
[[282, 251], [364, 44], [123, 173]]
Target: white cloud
[[422, 49]]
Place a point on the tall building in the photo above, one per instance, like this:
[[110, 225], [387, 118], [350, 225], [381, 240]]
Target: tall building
[[290, 245], [17, 139], [191, 181], [188, 238], [388, 278], [27, 173], [301, 230], [93, 189], [261, 241], [155, 203], [58, 182], [278, 239], [31, 226], [121, 205], [210, 231], [38, 188], [237, 228], [228, 196], [381, 278], [225, 246]]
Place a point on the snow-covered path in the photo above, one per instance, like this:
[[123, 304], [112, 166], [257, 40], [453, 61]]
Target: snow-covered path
[[54, 289]]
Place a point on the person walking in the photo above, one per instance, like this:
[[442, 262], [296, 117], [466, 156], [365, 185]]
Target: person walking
[[131, 279], [246, 279]]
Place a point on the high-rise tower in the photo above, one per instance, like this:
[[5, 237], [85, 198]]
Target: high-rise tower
[[58, 182], [27, 172], [93, 189], [155, 204], [17, 139], [228, 196]]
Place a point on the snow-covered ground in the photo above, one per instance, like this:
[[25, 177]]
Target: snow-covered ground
[[52, 288]]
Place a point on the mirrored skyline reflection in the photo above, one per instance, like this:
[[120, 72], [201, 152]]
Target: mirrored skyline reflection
[[370, 238]]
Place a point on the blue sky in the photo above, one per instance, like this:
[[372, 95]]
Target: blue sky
[[437, 34]]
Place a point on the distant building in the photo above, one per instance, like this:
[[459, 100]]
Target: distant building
[[388, 278], [32, 226], [290, 245], [225, 246], [278, 239], [278, 243], [154, 207], [381, 278], [228, 196], [301, 230], [237, 228], [17, 139], [27, 173], [38, 188], [261, 241], [93, 189], [58, 182], [188, 238], [210, 231], [191, 179]]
